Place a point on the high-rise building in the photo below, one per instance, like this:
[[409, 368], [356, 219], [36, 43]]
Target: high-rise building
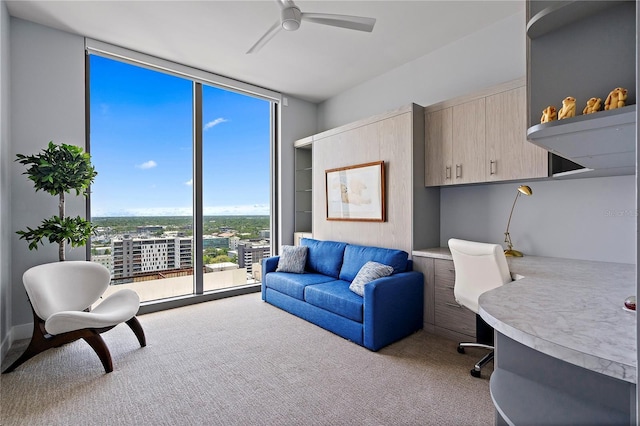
[[250, 252], [140, 256]]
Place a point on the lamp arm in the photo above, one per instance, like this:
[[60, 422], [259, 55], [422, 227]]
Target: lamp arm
[[507, 237]]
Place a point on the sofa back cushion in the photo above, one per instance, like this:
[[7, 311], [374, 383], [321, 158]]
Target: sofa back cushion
[[324, 257], [356, 256]]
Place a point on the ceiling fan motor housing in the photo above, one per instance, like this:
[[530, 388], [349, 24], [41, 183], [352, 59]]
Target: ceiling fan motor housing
[[291, 18]]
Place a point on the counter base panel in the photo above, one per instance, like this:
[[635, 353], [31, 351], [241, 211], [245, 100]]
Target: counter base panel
[[529, 387]]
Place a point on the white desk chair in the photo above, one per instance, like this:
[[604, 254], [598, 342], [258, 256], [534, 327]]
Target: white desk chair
[[60, 294], [479, 267]]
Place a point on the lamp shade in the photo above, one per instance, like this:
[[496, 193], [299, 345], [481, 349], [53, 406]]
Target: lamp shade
[[524, 189]]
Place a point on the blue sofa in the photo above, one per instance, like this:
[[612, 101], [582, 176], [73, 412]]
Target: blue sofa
[[391, 308]]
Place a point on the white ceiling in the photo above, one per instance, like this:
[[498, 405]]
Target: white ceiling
[[314, 63]]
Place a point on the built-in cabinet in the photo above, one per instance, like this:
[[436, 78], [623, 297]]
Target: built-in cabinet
[[510, 156], [481, 138], [395, 137], [442, 314], [583, 49]]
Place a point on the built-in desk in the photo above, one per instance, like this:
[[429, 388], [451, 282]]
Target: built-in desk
[[565, 347]]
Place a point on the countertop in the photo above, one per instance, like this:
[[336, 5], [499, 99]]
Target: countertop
[[569, 309]]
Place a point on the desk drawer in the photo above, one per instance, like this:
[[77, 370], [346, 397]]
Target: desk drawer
[[448, 313]]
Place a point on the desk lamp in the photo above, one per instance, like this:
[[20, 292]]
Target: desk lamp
[[522, 189]]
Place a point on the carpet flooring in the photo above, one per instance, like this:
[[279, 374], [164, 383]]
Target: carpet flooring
[[240, 361]]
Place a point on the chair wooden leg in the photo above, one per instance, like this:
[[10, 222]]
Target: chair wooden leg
[[32, 350], [95, 341], [39, 343], [135, 326]]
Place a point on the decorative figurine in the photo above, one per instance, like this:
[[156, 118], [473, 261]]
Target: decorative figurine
[[593, 105], [549, 114], [616, 98], [568, 109]]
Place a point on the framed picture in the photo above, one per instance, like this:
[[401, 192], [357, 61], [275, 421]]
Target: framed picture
[[356, 193]]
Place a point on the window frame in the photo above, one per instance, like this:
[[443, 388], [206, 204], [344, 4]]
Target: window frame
[[198, 78]]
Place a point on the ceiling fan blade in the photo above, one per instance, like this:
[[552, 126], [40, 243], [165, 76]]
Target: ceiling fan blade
[[359, 23], [285, 3], [271, 32]]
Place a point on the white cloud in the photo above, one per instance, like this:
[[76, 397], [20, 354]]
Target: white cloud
[[215, 122], [147, 165], [189, 182]]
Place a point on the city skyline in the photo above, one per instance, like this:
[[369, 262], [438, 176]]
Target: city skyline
[[141, 145]]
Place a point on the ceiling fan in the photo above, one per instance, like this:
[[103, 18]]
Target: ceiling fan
[[291, 16]]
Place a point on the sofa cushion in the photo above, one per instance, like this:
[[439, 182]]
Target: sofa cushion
[[335, 296], [369, 272], [293, 284], [292, 259], [324, 257], [356, 256]]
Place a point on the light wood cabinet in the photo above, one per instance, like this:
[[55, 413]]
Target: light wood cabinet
[[450, 316], [468, 140], [509, 155], [442, 314], [439, 156], [412, 212], [481, 138], [454, 148]]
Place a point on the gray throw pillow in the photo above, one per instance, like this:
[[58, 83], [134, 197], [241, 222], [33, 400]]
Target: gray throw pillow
[[370, 271], [292, 259]]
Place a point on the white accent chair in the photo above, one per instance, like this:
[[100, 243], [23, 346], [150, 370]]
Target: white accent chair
[[479, 267], [61, 294]]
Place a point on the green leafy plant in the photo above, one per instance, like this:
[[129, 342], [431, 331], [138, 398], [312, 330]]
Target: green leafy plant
[[59, 169]]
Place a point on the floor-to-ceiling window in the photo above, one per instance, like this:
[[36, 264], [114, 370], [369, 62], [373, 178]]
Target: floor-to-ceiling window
[[182, 199]]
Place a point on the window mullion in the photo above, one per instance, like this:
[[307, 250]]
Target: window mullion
[[198, 266]]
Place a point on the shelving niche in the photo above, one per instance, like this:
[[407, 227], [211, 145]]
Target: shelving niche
[[303, 185], [583, 49]]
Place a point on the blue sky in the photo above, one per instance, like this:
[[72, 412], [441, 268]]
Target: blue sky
[[141, 145]]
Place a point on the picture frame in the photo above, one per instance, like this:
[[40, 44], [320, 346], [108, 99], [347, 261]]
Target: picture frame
[[356, 193]]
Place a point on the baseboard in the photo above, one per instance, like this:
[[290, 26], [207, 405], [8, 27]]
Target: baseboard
[[17, 332]]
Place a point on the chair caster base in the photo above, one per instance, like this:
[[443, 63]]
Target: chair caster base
[[475, 373], [460, 350]]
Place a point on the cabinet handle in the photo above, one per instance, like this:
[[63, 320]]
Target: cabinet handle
[[458, 170], [447, 172], [453, 305], [493, 167], [450, 287]]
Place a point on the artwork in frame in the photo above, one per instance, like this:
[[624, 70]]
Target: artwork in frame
[[356, 192]]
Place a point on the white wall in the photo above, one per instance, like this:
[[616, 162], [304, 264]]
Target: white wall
[[47, 103], [5, 185], [563, 218], [298, 121], [493, 55], [592, 219]]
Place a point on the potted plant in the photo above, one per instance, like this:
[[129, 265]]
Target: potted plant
[[59, 169]]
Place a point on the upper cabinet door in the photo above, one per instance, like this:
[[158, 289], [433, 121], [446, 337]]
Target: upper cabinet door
[[438, 149], [469, 142], [509, 155]]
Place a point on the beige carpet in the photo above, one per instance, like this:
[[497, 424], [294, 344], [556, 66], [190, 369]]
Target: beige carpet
[[240, 361]]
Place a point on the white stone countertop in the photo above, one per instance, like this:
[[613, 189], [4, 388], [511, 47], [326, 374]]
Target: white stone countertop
[[569, 309]]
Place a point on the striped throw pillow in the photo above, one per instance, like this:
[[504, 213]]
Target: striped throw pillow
[[370, 271]]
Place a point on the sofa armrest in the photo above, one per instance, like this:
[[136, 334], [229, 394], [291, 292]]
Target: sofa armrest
[[393, 308], [269, 264]]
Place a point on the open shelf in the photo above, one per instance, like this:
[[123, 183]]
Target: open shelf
[[564, 13], [603, 140], [520, 400]]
